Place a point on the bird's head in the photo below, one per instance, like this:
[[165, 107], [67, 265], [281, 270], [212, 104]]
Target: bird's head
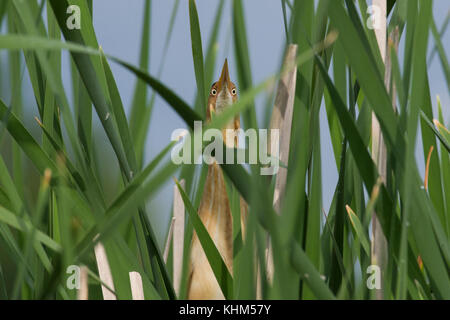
[[223, 92]]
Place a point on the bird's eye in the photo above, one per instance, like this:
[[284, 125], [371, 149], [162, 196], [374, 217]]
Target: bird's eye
[[213, 92], [233, 92]]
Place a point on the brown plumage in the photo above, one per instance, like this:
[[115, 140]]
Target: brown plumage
[[214, 210]]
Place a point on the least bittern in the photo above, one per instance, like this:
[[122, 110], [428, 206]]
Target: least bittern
[[214, 210]]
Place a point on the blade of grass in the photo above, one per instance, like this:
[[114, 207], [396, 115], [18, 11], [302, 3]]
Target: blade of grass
[[218, 266], [16, 222], [309, 273], [243, 60], [428, 247], [139, 102], [197, 54], [359, 230], [445, 163], [441, 52]]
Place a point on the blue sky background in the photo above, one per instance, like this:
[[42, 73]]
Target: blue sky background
[[118, 26]]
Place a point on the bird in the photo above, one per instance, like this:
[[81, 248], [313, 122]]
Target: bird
[[214, 210]]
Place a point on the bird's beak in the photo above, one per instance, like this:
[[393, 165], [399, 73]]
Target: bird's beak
[[224, 81]]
